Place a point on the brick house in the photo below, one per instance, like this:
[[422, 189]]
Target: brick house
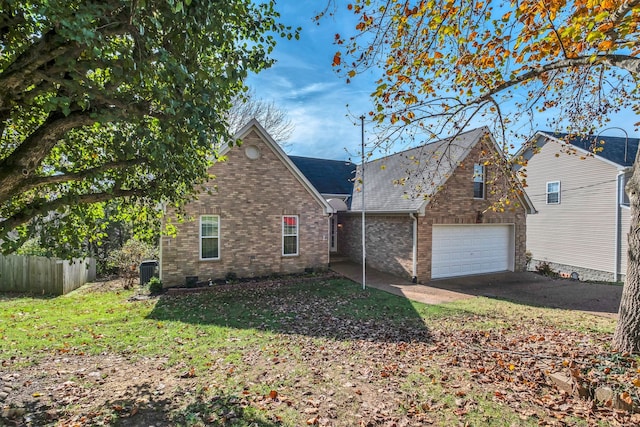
[[262, 216], [428, 211]]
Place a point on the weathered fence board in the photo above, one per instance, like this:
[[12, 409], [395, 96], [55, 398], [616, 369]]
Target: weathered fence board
[[41, 275]]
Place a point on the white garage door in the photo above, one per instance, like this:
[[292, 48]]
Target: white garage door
[[460, 250]]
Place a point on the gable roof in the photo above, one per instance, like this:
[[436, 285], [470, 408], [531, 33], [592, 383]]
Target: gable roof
[[277, 150], [618, 150], [423, 171], [333, 177]]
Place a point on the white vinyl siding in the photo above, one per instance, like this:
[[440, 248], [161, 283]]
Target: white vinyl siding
[[209, 237], [290, 235], [581, 230]]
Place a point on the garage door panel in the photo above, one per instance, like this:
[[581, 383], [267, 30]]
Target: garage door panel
[[471, 249]]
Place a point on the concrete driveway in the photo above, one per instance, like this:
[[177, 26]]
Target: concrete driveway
[[524, 288]]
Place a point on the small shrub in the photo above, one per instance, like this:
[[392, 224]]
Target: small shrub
[[231, 277], [545, 269], [127, 260], [155, 285], [528, 256]]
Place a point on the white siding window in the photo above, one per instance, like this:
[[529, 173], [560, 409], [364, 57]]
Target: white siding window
[[290, 235], [553, 193], [209, 237], [478, 181]]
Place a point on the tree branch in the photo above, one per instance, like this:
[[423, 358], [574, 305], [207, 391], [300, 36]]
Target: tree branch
[[628, 63], [29, 155], [38, 181], [43, 206]]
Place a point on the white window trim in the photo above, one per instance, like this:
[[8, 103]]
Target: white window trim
[[484, 185], [297, 235], [546, 198], [200, 237]]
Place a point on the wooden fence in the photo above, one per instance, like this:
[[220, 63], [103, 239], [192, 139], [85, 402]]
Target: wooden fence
[[40, 275]]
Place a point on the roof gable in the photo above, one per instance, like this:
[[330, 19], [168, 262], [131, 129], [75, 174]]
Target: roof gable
[[405, 181], [254, 125], [327, 176]]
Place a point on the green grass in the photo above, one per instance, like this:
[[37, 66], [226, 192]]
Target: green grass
[[301, 339]]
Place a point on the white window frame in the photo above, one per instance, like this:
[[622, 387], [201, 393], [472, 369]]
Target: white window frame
[[201, 237], [475, 179], [296, 234], [552, 192]]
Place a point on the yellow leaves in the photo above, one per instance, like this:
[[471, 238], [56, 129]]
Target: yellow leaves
[[636, 382], [438, 55], [605, 45]]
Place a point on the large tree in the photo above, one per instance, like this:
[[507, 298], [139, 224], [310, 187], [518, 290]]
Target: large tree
[[119, 99], [445, 62]]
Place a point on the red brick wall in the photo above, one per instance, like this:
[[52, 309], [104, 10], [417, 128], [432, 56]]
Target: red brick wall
[[389, 237], [455, 204], [250, 196]]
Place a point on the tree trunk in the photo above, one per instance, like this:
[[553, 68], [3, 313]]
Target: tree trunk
[[627, 335]]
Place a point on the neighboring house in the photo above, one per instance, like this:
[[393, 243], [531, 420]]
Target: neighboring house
[[583, 212], [428, 211], [261, 216]]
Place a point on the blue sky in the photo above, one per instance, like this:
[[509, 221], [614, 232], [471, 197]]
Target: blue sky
[[303, 83], [321, 105]]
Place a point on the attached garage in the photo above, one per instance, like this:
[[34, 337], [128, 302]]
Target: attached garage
[[461, 250]]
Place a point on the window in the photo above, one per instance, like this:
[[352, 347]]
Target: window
[[553, 193], [209, 237], [290, 235], [478, 181]]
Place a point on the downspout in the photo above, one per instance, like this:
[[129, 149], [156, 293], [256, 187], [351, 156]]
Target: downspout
[[161, 246], [616, 270], [329, 239], [414, 274]]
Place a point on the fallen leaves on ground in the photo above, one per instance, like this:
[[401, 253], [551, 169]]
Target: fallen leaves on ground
[[325, 365]]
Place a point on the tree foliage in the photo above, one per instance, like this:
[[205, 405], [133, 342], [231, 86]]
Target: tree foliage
[[117, 99], [446, 63]]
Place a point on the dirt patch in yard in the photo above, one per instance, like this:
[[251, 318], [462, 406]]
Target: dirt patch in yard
[[458, 375]]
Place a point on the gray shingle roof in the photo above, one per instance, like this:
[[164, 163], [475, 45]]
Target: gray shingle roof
[[405, 181]]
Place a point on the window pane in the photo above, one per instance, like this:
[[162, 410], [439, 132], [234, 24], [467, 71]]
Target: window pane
[[478, 173], [478, 190], [290, 245], [553, 187], [289, 225], [552, 198], [209, 248], [209, 226]]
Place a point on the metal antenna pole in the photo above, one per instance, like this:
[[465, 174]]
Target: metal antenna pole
[[364, 251]]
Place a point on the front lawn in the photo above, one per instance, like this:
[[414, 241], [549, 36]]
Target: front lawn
[[291, 353]]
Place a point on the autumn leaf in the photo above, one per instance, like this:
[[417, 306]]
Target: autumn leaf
[[336, 59], [273, 394]]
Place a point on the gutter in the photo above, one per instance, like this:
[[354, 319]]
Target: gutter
[[329, 239], [396, 212]]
